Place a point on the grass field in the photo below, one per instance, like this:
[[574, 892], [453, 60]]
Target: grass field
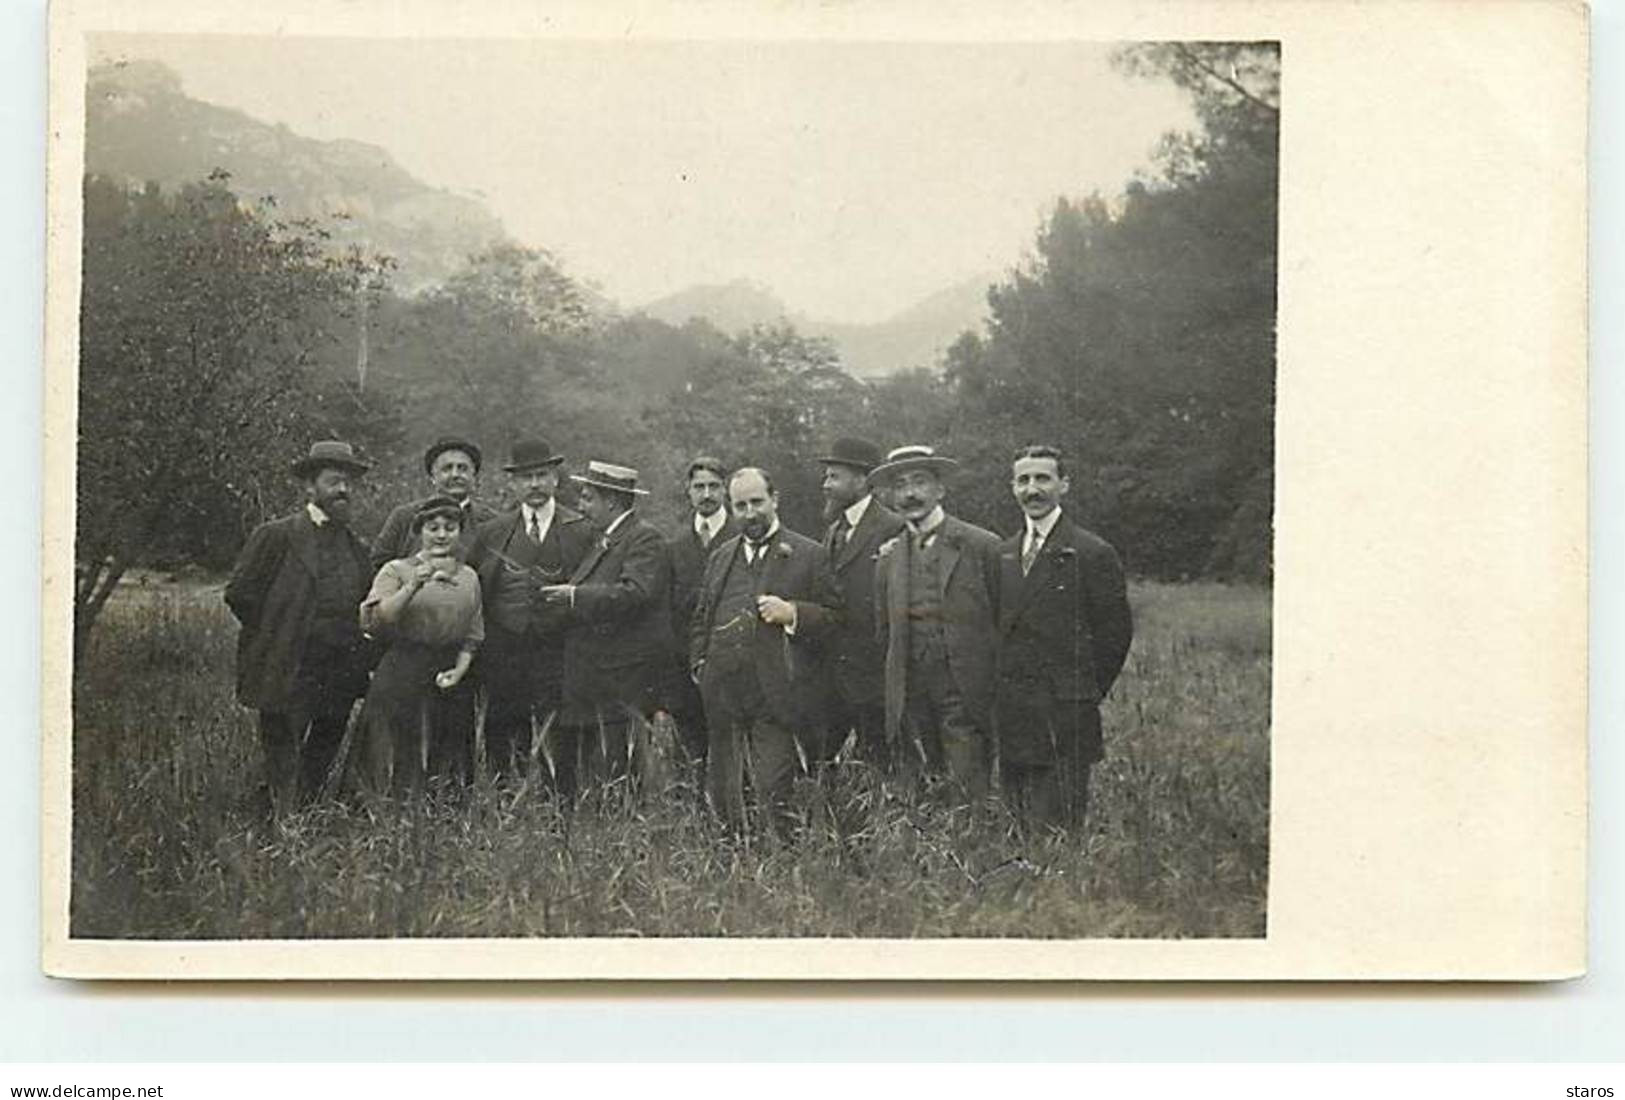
[[169, 841]]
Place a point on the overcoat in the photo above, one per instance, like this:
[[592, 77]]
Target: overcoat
[[618, 648], [272, 592], [791, 669], [968, 570], [396, 540], [857, 654], [570, 532], [1064, 633], [688, 558]]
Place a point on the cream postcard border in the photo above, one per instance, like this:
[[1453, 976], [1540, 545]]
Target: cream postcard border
[[1429, 712]]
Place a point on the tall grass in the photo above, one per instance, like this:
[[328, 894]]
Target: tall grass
[[170, 839]]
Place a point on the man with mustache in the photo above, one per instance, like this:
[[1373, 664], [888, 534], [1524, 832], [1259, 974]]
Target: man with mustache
[[858, 525], [453, 466], [515, 555], [709, 526], [1064, 629], [936, 601], [302, 661], [766, 605]]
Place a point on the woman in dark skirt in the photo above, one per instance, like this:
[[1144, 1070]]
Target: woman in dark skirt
[[419, 715]]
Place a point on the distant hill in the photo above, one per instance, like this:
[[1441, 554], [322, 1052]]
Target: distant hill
[[916, 337], [140, 126]]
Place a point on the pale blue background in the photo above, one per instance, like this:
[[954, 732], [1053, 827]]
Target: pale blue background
[[45, 1020]]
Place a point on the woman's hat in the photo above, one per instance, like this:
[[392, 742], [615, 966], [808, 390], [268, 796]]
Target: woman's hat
[[437, 506], [531, 454], [451, 443], [859, 454], [913, 456], [330, 453], [607, 475]]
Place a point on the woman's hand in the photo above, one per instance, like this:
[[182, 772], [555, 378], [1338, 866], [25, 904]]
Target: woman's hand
[[450, 678], [422, 572]]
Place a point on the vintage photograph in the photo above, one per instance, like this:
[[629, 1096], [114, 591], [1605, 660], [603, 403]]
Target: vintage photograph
[[542, 488]]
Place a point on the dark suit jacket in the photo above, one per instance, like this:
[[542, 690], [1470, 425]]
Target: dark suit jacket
[[857, 655], [272, 592], [1064, 633], [790, 669], [688, 558], [570, 532], [619, 644], [969, 571], [396, 540]]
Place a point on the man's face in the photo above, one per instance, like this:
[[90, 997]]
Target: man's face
[[916, 493], [599, 507], [705, 492], [536, 487], [843, 487], [1038, 485], [329, 490], [753, 505], [452, 473]]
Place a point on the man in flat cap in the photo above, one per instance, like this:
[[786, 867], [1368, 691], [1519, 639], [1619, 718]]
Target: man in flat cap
[[301, 659], [767, 606], [617, 602], [858, 525], [936, 597], [515, 555], [453, 466], [710, 525], [1065, 628]]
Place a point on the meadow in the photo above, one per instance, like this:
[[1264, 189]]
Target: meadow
[[170, 839]]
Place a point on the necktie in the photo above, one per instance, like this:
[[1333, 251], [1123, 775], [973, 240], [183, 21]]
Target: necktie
[[535, 528], [753, 552], [705, 535], [1035, 543], [839, 532]]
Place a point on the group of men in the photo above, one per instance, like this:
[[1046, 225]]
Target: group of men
[[917, 639]]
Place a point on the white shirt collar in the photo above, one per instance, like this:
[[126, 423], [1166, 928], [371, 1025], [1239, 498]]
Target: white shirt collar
[[753, 548], [1043, 526], [616, 522], [711, 524], [543, 515], [317, 516], [931, 522], [854, 514]]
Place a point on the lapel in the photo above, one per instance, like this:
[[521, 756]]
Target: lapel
[[1012, 585], [899, 561], [771, 567], [947, 553], [1060, 537], [601, 546], [857, 536], [719, 577], [303, 538]]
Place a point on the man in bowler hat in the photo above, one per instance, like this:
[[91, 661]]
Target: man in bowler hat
[[858, 525], [1064, 632], [301, 658], [453, 466], [517, 554]]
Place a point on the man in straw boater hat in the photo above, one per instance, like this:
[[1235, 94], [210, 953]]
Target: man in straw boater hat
[[302, 661], [766, 607], [858, 525], [453, 466], [1065, 628], [710, 524], [515, 555], [617, 652], [937, 587]]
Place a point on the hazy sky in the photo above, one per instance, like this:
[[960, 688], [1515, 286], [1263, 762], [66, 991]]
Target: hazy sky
[[851, 178]]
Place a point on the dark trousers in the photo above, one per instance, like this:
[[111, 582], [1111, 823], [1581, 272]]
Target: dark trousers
[[1050, 797], [748, 745], [943, 728], [522, 675], [868, 721], [301, 745]]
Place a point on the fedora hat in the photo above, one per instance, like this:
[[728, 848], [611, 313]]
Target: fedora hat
[[330, 452], [451, 443], [912, 456], [851, 451], [607, 475], [531, 454]]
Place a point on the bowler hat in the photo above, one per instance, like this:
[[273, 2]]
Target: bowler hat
[[451, 443], [912, 456], [330, 453], [531, 454], [859, 454], [607, 475]]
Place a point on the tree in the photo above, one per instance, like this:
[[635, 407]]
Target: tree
[[200, 324]]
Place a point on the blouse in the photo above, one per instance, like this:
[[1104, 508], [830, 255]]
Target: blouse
[[445, 611]]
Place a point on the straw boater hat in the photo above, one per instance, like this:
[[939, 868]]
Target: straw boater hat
[[531, 454], [859, 454], [913, 456], [330, 452], [451, 443], [607, 475]]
